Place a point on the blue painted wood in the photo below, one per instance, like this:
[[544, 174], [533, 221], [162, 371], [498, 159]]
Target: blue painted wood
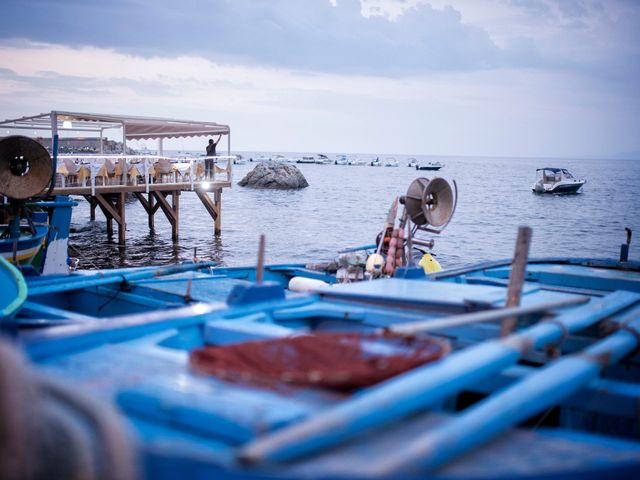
[[532, 395], [420, 388]]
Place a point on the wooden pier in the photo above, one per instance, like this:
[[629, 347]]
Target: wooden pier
[[156, 182]]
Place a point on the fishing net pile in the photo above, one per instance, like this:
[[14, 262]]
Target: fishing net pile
[[340, 361]]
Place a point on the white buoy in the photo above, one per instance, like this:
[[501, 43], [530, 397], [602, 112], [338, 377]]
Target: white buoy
[[375, 263], [303, 284]]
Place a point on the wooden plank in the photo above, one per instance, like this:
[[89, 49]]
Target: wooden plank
[[156, 187], [516, 277]]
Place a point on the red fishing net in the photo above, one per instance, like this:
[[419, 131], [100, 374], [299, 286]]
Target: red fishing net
[[341, 361]]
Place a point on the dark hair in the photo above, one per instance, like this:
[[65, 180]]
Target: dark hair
[[211, 140]]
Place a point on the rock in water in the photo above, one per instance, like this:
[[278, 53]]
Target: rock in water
[[274, 175]]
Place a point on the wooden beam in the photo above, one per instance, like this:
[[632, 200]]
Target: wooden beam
[[107, 207], [207, 202], [92, 207], [153, 207], [156, 187], [122, 225], [217, 229], [214, 207], [170, 210], [175, 227], [143, 201]]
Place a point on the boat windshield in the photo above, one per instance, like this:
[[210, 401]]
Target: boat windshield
[[566, 173]]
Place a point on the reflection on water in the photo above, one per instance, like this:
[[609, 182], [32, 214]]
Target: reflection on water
[[347, 205]]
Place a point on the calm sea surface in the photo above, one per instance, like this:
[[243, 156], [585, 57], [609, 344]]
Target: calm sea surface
[[347, 206]]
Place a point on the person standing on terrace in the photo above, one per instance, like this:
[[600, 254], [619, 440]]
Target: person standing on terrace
[[208, 162]]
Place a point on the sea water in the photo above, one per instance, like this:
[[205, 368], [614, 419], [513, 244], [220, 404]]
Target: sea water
[[347, 206]]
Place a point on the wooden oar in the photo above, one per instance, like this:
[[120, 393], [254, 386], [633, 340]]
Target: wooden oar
[[484, 316]]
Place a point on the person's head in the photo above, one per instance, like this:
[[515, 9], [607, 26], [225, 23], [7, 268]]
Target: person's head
[[210, 141]]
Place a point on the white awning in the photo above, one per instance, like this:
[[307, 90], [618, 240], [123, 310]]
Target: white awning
[[135, 127]]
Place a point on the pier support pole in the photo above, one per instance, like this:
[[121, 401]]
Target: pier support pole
[[175, 226], [122, 225], [217, 195], [151, 211], [113, 208], [170, 210], [92, 207], [213, 207], [150, 206]]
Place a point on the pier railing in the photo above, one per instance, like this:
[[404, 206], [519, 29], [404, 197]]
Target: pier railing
[[141, 172]]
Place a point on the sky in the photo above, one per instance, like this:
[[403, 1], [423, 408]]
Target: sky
[[536, 78]]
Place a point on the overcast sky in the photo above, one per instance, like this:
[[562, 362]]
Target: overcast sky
[[444, 77]]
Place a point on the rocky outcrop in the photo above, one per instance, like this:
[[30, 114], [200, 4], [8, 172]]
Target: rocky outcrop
[[274, 175]]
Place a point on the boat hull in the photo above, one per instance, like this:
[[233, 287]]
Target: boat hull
[[561, 188]]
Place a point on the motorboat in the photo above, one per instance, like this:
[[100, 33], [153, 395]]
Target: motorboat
[[556, 180], [358, 162], [260, 159], [429, 166], [306, 160], [391, 162], [341, 160], [412, 163], [376, 162]]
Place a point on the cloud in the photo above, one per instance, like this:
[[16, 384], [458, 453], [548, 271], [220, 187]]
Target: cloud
[[490, 112], [310, 35]]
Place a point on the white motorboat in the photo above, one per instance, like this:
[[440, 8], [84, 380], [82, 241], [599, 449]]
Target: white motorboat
[[260, 159], [391, 162], [412, 162], [556, 180], [376, 162], [308, 160], [359, 162], [429, 166], [341, 160]]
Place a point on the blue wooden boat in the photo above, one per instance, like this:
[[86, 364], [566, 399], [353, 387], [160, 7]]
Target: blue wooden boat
[[112, 390], [13, 292], [557, 398]]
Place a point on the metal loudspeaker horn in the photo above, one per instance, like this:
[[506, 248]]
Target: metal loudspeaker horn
[[25, 167], [431, 203]]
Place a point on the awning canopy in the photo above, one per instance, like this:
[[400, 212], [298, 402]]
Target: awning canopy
[[134, 127]]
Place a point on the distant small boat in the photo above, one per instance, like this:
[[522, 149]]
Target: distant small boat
[[357, 162], [307, 160], [429, 166], [412, 162], [239, 160], [556, 180], [391, 162], [341, 160], [260, 159], [376, 162]]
